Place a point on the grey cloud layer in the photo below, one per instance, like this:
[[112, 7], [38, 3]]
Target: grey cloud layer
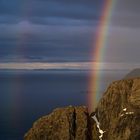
[[123, 43], [47, 30], [36, 10], [44, 42], [126, 14], [61, 30]]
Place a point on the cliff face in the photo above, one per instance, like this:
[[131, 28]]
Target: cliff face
[[119, 111], [117, 117], [70, 123]]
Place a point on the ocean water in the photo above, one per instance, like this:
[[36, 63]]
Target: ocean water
[[27, 95]]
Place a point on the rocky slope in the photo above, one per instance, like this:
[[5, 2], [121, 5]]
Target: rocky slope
[[133, 73], [117, 117]]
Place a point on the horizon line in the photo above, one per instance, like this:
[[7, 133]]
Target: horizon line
[[69, 65]]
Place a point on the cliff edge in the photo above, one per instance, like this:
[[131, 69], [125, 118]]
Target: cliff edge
[[117, 117]]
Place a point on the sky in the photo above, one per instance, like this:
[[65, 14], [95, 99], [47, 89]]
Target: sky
[[47, 30], [124, 32], [65, 31]]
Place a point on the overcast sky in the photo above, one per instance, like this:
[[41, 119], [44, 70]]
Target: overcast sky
[[65, 31], [123, 44]]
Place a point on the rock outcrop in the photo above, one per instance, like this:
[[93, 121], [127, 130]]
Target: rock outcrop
[[70, 123], [134, 73], [119, 111], [117, 117]]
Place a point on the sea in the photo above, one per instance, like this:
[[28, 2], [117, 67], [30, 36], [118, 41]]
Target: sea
[[26, 95]]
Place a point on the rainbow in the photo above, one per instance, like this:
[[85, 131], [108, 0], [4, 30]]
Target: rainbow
[[100, 44]]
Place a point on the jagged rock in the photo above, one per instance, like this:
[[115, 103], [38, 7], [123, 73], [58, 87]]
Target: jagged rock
[[68, 123], [117, 115]]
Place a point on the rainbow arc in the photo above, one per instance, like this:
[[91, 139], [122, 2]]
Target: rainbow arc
[[99, 51]]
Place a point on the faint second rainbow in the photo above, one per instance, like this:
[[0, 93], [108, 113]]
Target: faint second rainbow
[[100, 44]]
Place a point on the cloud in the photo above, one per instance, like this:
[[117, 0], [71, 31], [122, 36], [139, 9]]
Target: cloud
[[71, 65], [36, 42], [47, 32], [78, 9], [42, 30]]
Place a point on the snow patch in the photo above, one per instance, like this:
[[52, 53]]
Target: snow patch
[[98, 126], [126, 113]]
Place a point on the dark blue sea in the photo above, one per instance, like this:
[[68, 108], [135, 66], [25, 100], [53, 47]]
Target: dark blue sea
[[27, 95]]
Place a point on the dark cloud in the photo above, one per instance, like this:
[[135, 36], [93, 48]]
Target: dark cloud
[[47, 30], [39, 9], [45, 42], [65, 30]]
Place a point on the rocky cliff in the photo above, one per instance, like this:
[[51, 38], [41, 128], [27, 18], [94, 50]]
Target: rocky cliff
[[117, 117], [62, 124]]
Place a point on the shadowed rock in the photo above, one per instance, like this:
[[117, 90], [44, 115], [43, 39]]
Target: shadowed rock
[[68, 123], [117, 117]]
